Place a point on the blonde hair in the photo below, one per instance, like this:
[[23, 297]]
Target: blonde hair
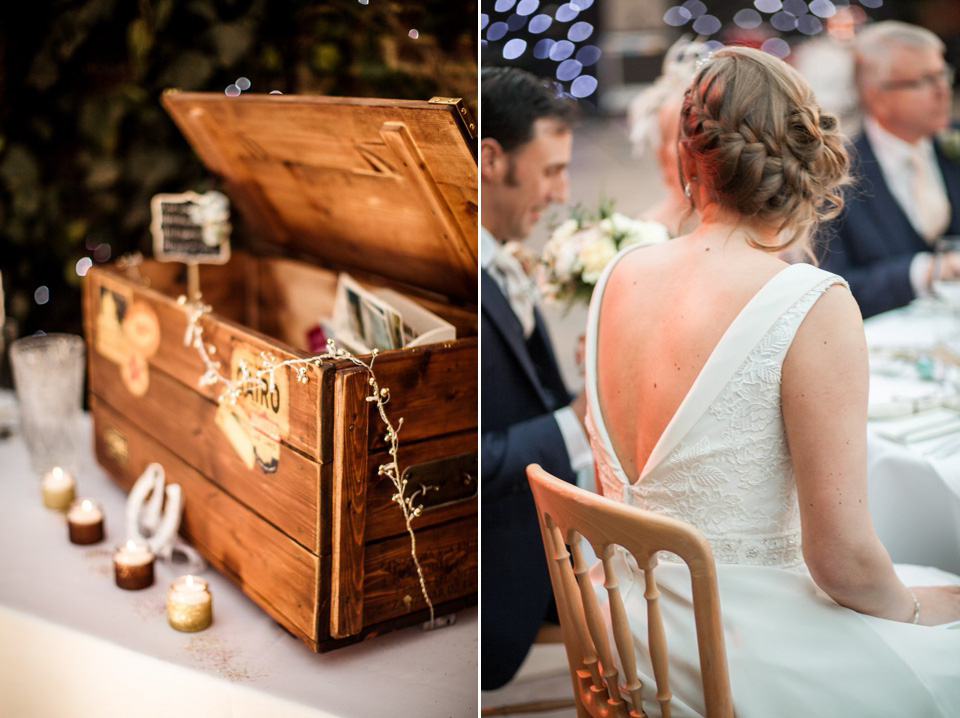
[[762, 146]]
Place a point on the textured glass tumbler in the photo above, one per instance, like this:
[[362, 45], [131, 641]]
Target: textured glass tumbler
[[48, 373]]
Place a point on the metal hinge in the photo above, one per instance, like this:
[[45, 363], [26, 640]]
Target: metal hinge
[[467, 123]]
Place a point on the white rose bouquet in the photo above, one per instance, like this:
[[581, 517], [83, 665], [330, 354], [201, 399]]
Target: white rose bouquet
[[581, 247]]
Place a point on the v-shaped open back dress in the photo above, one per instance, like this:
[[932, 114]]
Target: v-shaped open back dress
[[723, 465]]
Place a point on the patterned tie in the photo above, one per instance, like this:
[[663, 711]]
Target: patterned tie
[[520, 290], [933, 207]]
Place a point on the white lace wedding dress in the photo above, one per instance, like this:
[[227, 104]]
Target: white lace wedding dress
[[723, 465]]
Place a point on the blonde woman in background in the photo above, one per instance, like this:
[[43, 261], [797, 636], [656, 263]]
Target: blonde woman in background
[[654, 120]]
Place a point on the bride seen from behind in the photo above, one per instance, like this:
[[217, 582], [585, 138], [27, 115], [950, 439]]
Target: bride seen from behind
[[729, 389]]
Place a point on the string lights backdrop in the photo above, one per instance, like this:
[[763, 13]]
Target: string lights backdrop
[[600, 51]]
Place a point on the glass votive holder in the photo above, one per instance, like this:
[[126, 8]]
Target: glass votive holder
[[59, 489], [133, 565], [189, 604], [85, 522]]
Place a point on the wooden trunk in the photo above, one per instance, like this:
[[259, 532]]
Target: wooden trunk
[[282, 490]]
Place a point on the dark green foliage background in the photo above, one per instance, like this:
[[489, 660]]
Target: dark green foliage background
[[84, 142]]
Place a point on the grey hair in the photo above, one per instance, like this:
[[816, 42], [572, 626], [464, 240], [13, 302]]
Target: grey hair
[[873, 47]]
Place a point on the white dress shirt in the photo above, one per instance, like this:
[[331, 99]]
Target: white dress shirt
[[574, 438], [896, 158]]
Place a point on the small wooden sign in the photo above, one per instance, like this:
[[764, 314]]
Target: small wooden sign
[[190, 227]]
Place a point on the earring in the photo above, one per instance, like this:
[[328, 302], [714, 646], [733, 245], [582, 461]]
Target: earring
[[686, 190]]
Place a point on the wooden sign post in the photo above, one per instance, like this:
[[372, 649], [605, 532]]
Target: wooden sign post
[[191, 228]]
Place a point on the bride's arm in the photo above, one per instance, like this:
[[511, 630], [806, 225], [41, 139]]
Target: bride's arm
[[824, 396]]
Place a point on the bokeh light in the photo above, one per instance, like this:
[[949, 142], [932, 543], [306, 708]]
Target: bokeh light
[[748, 18], [562, 50], [823, 8], [582, 4], [83, 266], [695, 8], [588, 55], [527, 7], [41, 295], [504, 5], [706, 25], [566, 13], [784, 22], [871, 3], [232, 91], [539, 23], [580, 31], [496, 31], [541, 50], [809, 25], [514, 48], [795, 7], [676, 16], [413, 34], [767, 6], [568, 69], [243, 83], [102, 253], [515, 22], [776, 46], [583, 86]]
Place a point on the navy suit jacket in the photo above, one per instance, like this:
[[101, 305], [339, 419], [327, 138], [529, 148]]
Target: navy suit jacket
[[521, 387], [872, 242]]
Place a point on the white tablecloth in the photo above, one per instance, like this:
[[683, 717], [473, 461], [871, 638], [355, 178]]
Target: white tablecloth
[[914, 495], [73, 644]]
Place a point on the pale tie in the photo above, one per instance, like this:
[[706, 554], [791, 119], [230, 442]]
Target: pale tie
[[519, 288], [933, 207]]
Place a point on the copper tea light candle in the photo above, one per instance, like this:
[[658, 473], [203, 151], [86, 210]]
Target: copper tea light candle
[[133, 565], [59, 489], [189, 604], [85, 522]]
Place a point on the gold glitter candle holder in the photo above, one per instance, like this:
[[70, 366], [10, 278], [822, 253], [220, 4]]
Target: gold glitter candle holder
[[85, 522], [59, 489], [133, 565], [189, 604]]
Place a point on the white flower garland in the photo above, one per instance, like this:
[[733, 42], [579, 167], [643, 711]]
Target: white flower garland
[[252, 378]]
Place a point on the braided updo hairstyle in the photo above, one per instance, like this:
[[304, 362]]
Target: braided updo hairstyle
[[761, 144]]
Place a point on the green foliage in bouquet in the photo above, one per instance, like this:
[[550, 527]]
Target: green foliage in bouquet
[[85, 143]]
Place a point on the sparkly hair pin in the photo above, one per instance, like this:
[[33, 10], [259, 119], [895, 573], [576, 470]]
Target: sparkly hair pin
[[703, 61]]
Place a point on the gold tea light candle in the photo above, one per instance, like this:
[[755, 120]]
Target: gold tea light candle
[[189, 604], [133, 565], [59, 489], [85, 521]]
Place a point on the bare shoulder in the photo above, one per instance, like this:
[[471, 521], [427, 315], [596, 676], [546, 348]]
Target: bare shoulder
[[829, 349], [834, 316]]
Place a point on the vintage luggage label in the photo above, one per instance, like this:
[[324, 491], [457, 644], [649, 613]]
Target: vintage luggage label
[[190, 227], [110, 341], [128, 334], [260, 419]]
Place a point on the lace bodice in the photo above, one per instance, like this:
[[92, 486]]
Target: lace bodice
[[723, 464]]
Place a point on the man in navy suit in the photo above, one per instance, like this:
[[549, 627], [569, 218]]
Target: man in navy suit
[[907, 192], [526, 412]]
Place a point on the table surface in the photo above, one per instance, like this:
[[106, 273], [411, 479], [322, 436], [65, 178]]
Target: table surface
[[914, 488], [50, 585]]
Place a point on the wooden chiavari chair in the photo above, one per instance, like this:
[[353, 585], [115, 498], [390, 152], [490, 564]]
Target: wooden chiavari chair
[[568, 514]]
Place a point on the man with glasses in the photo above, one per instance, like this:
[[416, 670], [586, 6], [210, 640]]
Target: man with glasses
[[906, 189]]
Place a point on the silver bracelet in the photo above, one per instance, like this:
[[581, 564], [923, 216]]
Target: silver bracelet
[[916, 606]]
